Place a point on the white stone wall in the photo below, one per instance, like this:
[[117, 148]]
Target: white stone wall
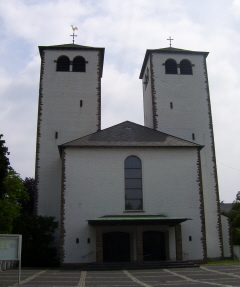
[[60, 112], [94, 187], [225, 234], [147, 98], [190, 114]]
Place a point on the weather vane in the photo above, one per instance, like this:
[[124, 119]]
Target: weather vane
[[74, 28], [170, 39]]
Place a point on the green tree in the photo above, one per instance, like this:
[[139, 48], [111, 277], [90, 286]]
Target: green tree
[[14, 192], [38, 236], [234, 215], [4, 164], [28, 206]]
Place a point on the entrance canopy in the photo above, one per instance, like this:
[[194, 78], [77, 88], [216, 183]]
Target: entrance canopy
[[121, 220]]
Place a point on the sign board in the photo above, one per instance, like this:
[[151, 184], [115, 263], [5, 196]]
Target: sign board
[[10, 249]]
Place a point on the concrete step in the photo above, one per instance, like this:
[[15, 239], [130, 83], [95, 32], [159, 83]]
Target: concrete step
[[138, 265]]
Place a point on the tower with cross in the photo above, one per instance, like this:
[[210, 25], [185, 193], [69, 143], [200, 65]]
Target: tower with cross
[[69, 106], [177, 101]]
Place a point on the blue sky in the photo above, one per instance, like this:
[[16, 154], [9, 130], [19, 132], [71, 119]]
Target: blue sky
[[126, 28]]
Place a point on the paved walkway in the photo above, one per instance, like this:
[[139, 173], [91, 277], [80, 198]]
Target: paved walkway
[[207, 275]]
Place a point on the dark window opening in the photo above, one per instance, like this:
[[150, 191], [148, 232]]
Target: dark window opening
[[171, 105], [193, 136], [146, 79], [56, 135], [185, 67], [171, 66], [81, 103], [63, 64], [79, 64], [133, 183]]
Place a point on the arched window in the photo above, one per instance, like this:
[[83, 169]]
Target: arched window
[[171, 66], [185, 67], [79, 64], [63, 64], [133, 183]]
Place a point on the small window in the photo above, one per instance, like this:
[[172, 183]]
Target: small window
[[146, 78], [185, 67], [63, 64], [79, 64], [171, 66], [133, 183]]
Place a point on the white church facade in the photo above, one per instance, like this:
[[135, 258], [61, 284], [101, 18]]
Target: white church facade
[[129, 192]]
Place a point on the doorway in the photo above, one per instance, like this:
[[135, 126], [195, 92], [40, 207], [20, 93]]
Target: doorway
[[116, 247], [154, 246]]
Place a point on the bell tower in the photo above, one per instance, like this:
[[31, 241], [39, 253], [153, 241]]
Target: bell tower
[[177, 101], [69, 108]]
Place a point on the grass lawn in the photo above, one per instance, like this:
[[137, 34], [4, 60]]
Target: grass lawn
[[224, 262]]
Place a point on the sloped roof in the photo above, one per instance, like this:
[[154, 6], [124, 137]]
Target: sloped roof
[[128, 134], [169, 50], [69, 47]]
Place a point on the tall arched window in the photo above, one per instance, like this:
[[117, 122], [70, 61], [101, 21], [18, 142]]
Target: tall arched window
[[79, 64], [185, 67], [133, 183], [63, 64], [171, 66]]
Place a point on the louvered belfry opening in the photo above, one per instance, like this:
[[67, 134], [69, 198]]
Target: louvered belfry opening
[[171, 66], [79, 64], [185, 67], [63, 64]]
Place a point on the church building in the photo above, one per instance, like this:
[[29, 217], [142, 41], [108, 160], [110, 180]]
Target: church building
[[128, 193]]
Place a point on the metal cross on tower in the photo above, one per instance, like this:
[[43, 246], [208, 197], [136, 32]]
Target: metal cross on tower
[[74, 28], [170, 39]]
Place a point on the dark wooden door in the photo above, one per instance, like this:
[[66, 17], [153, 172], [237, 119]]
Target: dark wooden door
[[153, 246], [116, 247]]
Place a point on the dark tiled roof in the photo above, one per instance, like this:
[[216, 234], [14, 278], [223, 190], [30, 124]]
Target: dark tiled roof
[[68, 46], [128, 134], [169, 50]]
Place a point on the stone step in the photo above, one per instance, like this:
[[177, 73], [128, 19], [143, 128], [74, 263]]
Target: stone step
[[138, 265]]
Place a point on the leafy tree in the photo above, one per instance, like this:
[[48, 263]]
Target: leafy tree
[[28, 206], [234, 215], [4, 164], [12, 191], [38, 236], [12, 194]]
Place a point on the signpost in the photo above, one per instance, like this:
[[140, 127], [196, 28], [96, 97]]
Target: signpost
[[10, 249]]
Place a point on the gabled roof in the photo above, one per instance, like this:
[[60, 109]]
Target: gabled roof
[[168, 50], [128, 134]]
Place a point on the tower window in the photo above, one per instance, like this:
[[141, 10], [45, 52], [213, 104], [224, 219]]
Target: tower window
[[63, 64], [171, 66], [133, 183], [79, 64], [171, 105], [193, 136], [185, 67], [146, 78]]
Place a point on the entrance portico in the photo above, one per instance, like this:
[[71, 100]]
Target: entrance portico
[[138, 238]]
